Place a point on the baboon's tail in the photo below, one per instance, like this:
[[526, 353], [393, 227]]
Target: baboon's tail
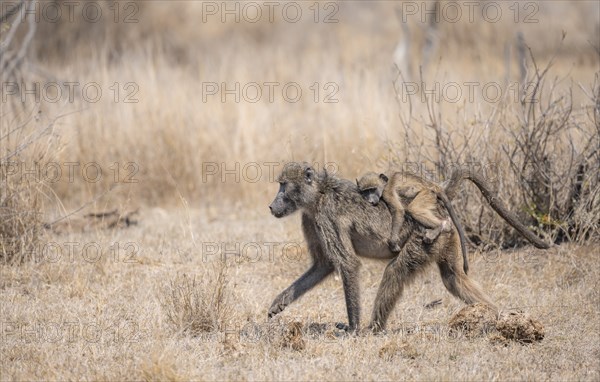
[[452, 188], [459, 228]]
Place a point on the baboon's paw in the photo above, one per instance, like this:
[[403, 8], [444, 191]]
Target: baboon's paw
[[342, 326], [394, 245], [275, 309], [374, 329], [430, 236], [346, 329], [446, 225]]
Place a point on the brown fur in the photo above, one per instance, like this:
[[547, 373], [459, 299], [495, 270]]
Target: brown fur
[[339, 225], [407, 192]]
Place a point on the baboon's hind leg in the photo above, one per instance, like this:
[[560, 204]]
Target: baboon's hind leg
[[398, 273], [460, 285]]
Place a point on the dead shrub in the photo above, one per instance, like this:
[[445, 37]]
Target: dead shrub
[[194, 306], [25, 143], [20, 218], [542, 154]]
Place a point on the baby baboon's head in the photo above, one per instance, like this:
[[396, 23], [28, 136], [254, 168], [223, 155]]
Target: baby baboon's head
[[298, 189], [371, 186]]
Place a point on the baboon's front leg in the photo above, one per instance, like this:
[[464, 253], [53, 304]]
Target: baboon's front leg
[[352, 295], [339, 246], [320, 269], [307, 281]]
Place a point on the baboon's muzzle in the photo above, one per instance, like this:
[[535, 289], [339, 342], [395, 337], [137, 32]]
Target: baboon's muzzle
[[277, 208], [374, 200]]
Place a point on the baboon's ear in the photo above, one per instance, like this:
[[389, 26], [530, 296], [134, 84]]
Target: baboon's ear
[[309, 174], [357, 182], [383, 177]]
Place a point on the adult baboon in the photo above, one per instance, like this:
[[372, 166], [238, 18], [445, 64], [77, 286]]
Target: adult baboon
[[339, 225], [410, 193]]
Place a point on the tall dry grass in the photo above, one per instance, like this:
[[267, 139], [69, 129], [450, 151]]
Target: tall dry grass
[[198, 305], [158, 140], [27, 144]]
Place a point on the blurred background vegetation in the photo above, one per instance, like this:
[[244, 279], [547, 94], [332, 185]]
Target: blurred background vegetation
[[539, 141]]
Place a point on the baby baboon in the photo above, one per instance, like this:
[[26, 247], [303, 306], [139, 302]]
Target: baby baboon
[[407, 192], [339, 225]]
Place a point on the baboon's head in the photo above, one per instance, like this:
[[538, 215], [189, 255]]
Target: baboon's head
[[371, 186], [298, 189]]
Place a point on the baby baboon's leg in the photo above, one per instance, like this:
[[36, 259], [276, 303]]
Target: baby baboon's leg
[[421, 209], [406, 191], [397, 210], [456, 280]]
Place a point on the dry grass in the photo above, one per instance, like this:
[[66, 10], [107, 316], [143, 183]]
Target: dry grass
[[171, 133], [20, 218], [151, 302], [134, 338], [394, 349], [196, 306], [24, 147]]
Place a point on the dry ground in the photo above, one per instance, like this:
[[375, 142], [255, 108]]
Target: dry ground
[[118, 304], [72, 319]]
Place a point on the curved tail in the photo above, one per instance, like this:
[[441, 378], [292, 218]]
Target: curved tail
[[461, 232], [452, 187]]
